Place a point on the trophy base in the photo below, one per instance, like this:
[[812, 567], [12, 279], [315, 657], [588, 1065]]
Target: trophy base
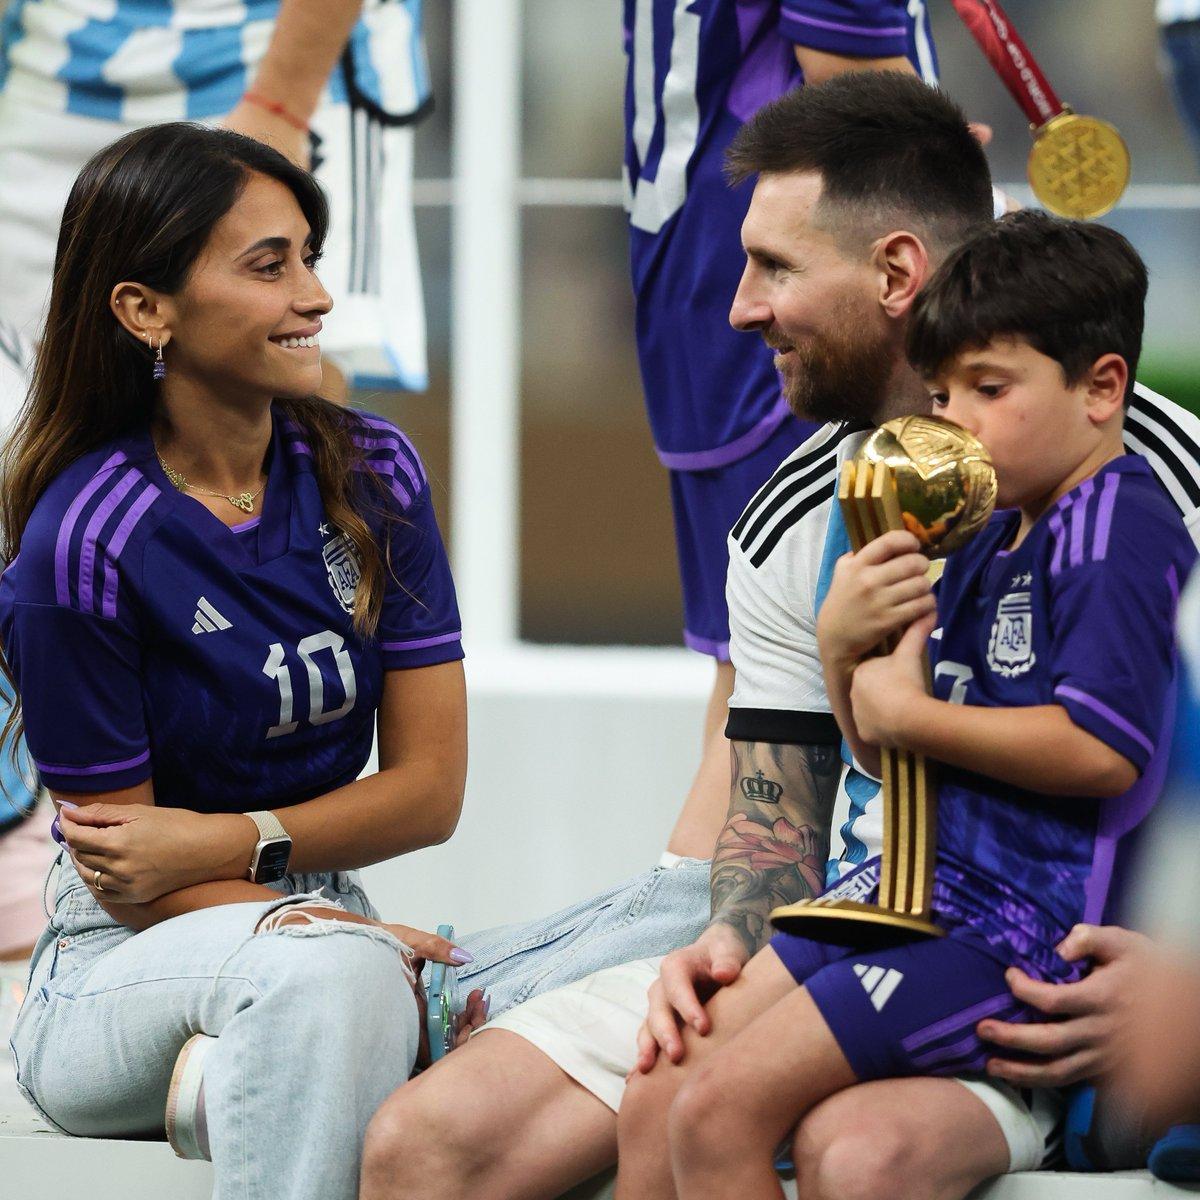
[[796, 918]]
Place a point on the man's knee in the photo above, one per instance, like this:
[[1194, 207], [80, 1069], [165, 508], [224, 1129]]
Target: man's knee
[[408, 1140], [430, 1129]]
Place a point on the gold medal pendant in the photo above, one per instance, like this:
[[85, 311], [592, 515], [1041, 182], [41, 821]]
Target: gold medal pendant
[[1078, 166]]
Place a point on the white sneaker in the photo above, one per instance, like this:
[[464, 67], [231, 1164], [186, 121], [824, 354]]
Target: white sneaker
[[187, 1125]]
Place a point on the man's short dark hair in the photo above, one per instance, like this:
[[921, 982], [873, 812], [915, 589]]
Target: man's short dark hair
[[1073, 291], [892, 153]]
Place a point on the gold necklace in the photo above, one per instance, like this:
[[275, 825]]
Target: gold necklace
[[243, 500]]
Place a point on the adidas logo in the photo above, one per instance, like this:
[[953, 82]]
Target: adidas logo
[[207, 619], [879, 983]]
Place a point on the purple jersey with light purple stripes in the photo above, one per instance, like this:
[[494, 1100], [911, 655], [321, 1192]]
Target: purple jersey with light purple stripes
[[151, 641], [696, 70], [1081, 614]]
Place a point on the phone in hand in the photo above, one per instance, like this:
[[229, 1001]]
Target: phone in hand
[[440, 1014]]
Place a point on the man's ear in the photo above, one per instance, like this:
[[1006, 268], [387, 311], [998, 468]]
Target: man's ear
[[903, 265], [1106, 381], [141, 311]]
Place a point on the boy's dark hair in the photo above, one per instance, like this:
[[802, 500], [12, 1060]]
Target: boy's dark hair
[[1072, 290], [892, 153]]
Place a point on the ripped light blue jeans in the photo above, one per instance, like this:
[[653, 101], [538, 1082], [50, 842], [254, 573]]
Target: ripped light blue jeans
[[317, 1024]]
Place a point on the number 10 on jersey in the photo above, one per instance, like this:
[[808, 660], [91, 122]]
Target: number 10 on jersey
[[278, 668]]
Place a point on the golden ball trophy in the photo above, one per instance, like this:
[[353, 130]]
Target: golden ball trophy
[[1079, 165], [933, 478]]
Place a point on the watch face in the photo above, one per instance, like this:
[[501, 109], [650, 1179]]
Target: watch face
[[273, 860]]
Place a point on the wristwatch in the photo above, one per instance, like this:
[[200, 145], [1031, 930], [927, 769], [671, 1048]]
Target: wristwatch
[[269, 861]]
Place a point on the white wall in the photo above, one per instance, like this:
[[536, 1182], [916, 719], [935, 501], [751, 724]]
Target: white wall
[[579, 762]]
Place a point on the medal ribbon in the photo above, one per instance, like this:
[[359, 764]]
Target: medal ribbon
[[1008, 54]]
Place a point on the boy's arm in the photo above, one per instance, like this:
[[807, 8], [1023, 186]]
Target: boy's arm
[[1039, 748], [875, 592]]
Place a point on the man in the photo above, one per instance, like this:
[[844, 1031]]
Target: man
[[530, 1115], [334, 86]]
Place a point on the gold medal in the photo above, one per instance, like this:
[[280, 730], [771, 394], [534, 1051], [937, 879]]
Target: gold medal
[[1078, 166]]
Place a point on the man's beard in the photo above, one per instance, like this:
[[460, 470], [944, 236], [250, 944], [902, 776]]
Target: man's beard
[[841, 375]]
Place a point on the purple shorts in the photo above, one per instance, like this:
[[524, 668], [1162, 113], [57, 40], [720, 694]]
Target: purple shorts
[[706, 505], [908, 1009]]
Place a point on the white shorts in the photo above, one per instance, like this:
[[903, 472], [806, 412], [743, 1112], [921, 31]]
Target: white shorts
[[376, 332], [589, 1030]]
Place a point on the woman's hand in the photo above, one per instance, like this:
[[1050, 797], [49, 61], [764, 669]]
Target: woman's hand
[[880, 590], [886, 691], [143, 852]]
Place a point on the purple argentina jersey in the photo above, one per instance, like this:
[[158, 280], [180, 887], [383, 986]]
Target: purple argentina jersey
[[696, 71], [1081, 614], [150, 641]]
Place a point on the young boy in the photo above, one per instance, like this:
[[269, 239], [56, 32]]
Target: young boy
[[1052, 701]]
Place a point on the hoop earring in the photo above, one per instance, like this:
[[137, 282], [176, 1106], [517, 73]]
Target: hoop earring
[[160, 367]]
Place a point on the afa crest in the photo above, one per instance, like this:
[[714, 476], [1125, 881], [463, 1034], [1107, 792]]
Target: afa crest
[[1010, 646], [343, 568]]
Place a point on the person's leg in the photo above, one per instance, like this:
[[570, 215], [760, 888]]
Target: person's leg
[[644, 1169], [527, 1108], [496, 1118], [315, 1025], [907, 1139], [726, 1124]]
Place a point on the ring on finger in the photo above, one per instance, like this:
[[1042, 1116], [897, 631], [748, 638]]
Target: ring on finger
[[96, 882]]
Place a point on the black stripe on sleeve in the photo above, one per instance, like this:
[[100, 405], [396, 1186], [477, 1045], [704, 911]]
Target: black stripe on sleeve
[[786, 470], [814, 499], [1170, 459], [782, 727], [785, 496]]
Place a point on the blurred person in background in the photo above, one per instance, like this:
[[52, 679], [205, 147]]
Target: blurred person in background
[[26, 850], [336, 85], [717, 414], [1179, 27], [1158, 1047]]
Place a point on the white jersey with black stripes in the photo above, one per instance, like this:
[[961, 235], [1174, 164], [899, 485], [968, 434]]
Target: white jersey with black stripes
[[782, 552]]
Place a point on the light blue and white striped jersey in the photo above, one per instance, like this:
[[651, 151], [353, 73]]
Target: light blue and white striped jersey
[[144, 61], [1169, 12], [782, 552]]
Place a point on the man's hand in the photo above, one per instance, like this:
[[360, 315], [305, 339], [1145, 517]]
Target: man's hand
[[688, 978], [275, 131], [1091, 1018], [887, 691], [878, 591]]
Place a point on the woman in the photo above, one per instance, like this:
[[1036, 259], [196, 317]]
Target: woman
[[224, 585]]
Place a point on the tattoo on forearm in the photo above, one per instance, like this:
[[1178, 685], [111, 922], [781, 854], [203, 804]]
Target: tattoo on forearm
[[773, 848]]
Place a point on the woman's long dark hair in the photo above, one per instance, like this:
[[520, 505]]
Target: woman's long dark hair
[[142, 210]]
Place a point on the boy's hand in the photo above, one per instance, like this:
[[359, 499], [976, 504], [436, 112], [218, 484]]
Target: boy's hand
[[880, 590], [886, 691]]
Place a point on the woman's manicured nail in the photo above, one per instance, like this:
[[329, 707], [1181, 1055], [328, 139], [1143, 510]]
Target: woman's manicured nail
[[67, 804], [461, 957], [487, 1006]]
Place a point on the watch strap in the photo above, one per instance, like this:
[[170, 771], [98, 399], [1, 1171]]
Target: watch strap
[[269, 826]]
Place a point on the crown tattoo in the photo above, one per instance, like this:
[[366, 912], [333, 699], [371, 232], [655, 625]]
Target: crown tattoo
[[764, 791]]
